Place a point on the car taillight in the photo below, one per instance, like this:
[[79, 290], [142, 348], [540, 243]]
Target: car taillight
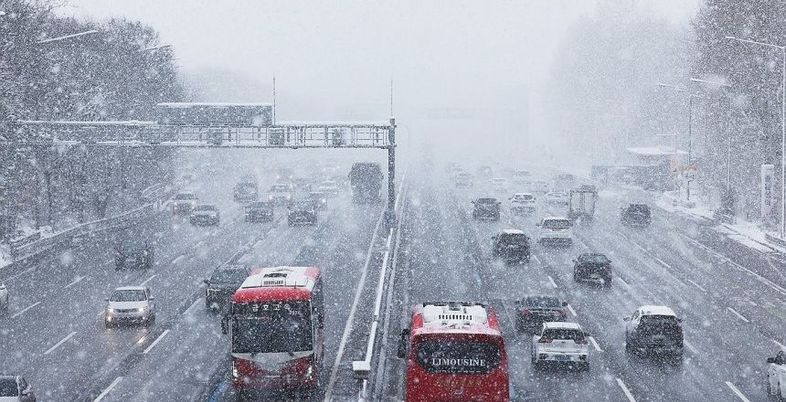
[[582, 341], [524, 311], [544, 340]]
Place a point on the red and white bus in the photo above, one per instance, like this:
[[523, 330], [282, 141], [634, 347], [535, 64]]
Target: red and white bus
[[275, 325], [455, 352]]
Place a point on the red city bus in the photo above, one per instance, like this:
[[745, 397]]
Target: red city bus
[[455, 352], [275, 325]]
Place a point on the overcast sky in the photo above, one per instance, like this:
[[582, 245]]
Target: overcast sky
[[339, 56]]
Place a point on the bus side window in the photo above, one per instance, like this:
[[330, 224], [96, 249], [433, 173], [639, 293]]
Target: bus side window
[[402, 343]]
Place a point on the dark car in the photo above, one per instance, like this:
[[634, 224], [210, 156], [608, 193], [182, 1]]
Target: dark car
[[319, 198], [224, 281], [15, 388], [533, 311], [302, 212], [654, 330], [486, 208], [592, 267], [636, 215], [205, 214], [134, 252], [259, 211], [511, 245]]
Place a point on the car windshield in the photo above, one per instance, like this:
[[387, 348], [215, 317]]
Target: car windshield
[[567, 334], [513, 238], [259, 204], [594, 259], [8, 387], [542, 302], [272, 328], [303, 204], [128, 295], [523, 197], [556, 224], [185, 196], [639, 209], [486, 201], [228, 276], [458, 357], [279, 187], [205, 208]]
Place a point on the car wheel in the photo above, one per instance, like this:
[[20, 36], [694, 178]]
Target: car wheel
[[585, 366], [575, 277], [107, 324]]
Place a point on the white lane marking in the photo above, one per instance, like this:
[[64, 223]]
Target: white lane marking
[[148, 280], [75, 281], [780, 345], [178, 259], [155, 342], [552, 282], [690, 346], [27, 271], [640, 247], [662, 262], [534, 257], [625, 390], [108, 389], [572, 311], [191, 307], [595, 344], [741, 317], [697, 286], [623, 282], [25, 309], [582, 243], [62, 341], [737, 392]]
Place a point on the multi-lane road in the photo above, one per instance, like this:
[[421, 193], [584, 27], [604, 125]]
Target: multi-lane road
[[733, 312]]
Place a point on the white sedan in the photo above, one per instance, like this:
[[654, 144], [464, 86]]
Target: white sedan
[[562, 343]]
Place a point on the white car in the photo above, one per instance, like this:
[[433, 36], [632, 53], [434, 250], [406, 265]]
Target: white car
[[776, 375], [557, 198], [280, 193], [521, 176], [561, 343], [329, 187], [15, 388], [130, 304], [3, 298], [555, 229], [499, 184], [184, 202], [522, 203]]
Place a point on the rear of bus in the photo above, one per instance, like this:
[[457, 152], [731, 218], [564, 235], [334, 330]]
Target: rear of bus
[[455, 360]]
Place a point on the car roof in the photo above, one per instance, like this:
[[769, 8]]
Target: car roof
[[512, 231], [561, 325], [656, 310], [555, 217], [8, 377], [517, 194], [131, 288]]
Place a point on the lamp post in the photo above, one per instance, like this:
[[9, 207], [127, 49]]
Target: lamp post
[[725, 87], [690, 129], [783, 123]]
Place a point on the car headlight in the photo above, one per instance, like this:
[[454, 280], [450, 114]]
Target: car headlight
[[110, 310], [141, 309]]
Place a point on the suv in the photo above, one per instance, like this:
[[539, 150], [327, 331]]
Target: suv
[[555, 229], [130, 304], [522, 204], [512, 245], [4, 298], [224, 281], [205, 214], [561, 343], [15, 388], [636, 215], [592, 267], [133, 252], [302, 211], [259, 211], [532, 311], [654, 329], [486, 208], [183, 203]]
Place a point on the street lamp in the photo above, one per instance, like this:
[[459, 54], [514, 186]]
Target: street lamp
[[725, 87], [783, 124], [690, 125]]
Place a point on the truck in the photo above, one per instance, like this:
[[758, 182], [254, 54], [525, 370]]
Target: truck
[[581, 203], [366, 181]]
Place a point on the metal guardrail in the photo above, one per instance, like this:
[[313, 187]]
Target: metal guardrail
[[775, 240], [78, 233]]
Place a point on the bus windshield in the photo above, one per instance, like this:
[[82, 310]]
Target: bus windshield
[[272, 328], [458, 357]]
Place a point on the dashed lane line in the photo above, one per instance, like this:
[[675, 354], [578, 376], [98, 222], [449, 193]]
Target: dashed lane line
[[625, 390], [595, 343], [662, 262], [619, 278], [737, 392], [572, 311], [155, 342], [148, 280], [534, 257], [740, 316], [697, 286], [552, 282], [780, 345], [191, 307], [178, 259], [25, 309], [108, 389], [690, 346], [62, 341], [75, 281]]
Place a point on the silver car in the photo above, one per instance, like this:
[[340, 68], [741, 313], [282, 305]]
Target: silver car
[[130, 304]]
